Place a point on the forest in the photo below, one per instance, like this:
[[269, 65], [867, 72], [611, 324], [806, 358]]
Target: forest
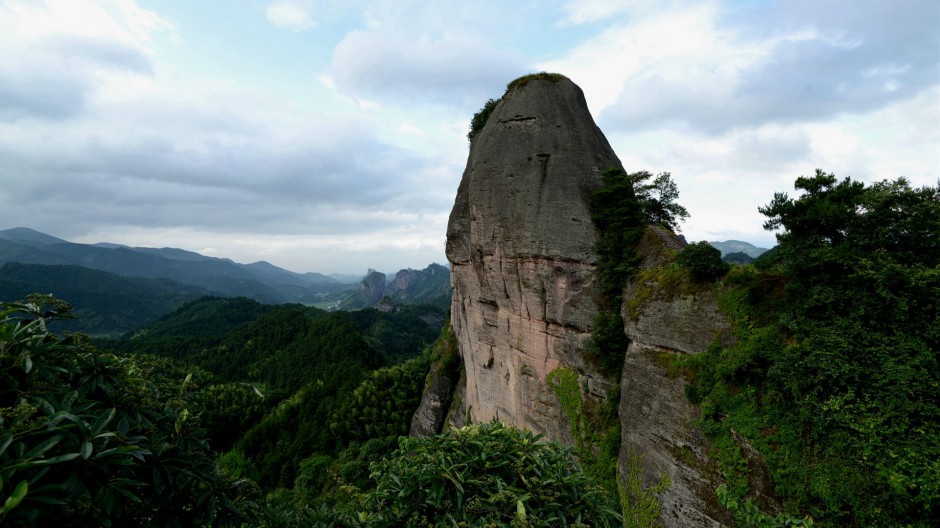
[[228, 412]]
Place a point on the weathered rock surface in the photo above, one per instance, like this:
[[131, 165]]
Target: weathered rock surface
[[520, 242], [419, 285], [435, 402], [372, 288], [657, 420], [439, 388]]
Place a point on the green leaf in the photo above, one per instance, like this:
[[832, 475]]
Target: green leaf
[[86, 450], [57, 459], [5, 442], [43, 447], [102, 421], [18, 495]]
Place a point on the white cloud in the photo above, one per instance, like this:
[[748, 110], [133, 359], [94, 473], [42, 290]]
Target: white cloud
[[691, 66], [101, 137], [577, 12], [22, 23], [290, 15], [55, 54], [435, 52], [386, 63]]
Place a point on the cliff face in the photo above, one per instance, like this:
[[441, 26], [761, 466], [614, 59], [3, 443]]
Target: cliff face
[[520, 243], [656, 418], [420, 285], [372, 288]]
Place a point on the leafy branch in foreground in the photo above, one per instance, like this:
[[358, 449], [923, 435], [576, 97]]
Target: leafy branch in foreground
[[88, 438], [486, 475]]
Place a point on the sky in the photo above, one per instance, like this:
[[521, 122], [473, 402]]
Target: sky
[[330, 135]]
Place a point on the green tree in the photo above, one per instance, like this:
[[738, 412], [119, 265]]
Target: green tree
[[657, 199], [619, 220], [480, 118], [703, 261]]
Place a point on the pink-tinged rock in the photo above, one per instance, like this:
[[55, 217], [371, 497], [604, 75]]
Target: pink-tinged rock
[[521, 245]]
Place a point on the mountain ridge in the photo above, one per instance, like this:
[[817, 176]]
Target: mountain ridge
[[260, 280]]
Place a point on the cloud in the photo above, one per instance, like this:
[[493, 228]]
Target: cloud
[[348, 142], [404, 54], [54, 60], [99, 135], [714, 69], [290, 15], [382, 64], [578, 12], [193, 165], [39, 95]]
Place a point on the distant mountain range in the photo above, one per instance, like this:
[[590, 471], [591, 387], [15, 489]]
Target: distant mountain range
[[116, 288], [261, 281], [737, 246]]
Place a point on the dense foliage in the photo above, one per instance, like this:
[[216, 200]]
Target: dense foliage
[[382, 405], [89, 438], [620, 209], [485, 475], [738, 257], [619, 221], [656, 198], [286, 379], [703, 262], [835, 376]]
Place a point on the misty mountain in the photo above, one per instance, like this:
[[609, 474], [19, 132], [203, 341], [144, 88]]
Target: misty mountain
[[738, 246], [29, 236], [261, 281]]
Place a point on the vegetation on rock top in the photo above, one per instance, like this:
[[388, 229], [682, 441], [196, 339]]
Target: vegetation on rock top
[[520, 82]]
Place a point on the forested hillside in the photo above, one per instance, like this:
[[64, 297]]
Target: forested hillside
[[106, 304], [272, 385]]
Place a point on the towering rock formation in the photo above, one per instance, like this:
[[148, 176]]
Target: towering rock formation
[[372, 288], [521, 245], [520, 242]]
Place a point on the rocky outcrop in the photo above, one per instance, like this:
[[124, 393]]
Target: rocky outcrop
[[424, 285], [439, 387], [430, 285], [435, 402], [520, 243], [372, 288], [657, 420]]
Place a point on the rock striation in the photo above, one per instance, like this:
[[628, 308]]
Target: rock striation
[[520, 243]]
